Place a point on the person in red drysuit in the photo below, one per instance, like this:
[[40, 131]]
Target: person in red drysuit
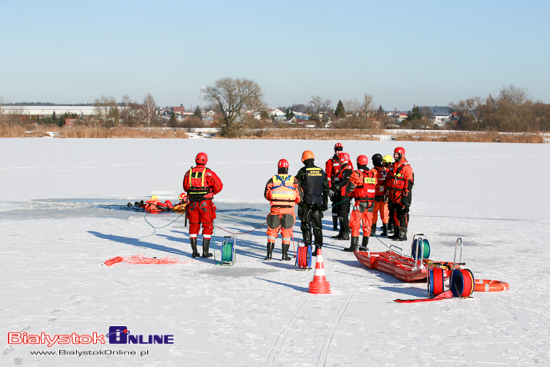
[[399, 187], [380, 199], [331, 169], [201, 184], [362, 188]]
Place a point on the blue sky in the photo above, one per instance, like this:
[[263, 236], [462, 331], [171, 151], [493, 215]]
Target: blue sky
[[404, 53]]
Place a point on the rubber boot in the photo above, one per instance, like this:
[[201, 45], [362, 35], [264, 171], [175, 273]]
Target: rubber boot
[[334, 223], [270, 247], [364, 244], [354, 245], [395, 233], [314, 252], [373, 230], [402, 234], [384, 230], [205, 247], [340, 232], [193, 242], [285, 253]]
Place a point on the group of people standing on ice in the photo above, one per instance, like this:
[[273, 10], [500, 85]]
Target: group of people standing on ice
[[384, 189]]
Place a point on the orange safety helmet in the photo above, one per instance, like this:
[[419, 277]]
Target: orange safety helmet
[[308, 154]]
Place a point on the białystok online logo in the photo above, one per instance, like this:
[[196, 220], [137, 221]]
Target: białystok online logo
[[117, 335]]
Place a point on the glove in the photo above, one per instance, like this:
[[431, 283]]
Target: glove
[[209, 195], [300, 212], [406, 199], [331, 193]]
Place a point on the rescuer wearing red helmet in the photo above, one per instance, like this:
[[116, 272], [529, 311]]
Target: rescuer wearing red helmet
[[314, 184], [201, 184], [331, 168], [362, 188], [338, 195], [380, 200], [283, 192], [399, 185]]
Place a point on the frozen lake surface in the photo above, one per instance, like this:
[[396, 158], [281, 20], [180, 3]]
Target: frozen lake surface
[[63, 213]]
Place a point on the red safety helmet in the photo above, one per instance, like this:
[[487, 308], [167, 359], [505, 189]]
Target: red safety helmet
[[183, 196], [201, 158], [343, 158], [283, 163], [362, 160], [400, 151], [338, 146]]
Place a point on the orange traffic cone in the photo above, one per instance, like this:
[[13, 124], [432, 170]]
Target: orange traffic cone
[[319, 285]]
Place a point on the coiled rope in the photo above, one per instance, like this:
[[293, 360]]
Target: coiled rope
[[302, 258]]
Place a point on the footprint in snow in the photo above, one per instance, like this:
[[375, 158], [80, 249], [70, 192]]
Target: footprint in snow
[[7, 350]]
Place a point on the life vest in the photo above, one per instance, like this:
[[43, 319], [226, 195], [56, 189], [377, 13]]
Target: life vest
[[332, 168], [340, 178], [397, 181], [312, 185], [197, 184], [380, 185], [155, 206], [367, 189], [283, 192]]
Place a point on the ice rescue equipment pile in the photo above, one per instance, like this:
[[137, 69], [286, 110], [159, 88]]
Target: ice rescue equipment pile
[[461, 283], [404, 268]]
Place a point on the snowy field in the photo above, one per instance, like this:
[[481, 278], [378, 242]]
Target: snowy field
[[63, 214]]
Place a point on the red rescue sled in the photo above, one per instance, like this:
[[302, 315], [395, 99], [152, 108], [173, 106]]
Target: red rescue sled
[[404, 268]]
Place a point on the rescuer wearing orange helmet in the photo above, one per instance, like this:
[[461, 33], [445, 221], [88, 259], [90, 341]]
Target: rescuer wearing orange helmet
[[314, 184], [283, 192], [400, 184], [381, 199], [362, 188], [201, 184], [338, 193], [331, 168]]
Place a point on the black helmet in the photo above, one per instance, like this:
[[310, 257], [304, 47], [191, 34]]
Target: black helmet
[[377, 160]]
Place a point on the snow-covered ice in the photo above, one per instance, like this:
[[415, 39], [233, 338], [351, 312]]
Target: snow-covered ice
[[62, 215]]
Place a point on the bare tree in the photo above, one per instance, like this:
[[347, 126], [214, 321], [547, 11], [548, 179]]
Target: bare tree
[[106, 109], [367, 106], [233, 97], [319, 104], [515, 95], [352, 105], [149, 109]]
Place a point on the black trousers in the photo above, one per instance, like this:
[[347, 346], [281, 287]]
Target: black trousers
[[343, 211], [312, 216]]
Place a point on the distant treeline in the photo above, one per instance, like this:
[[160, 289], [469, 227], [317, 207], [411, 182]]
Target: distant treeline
[[46, 104], [510, 111]]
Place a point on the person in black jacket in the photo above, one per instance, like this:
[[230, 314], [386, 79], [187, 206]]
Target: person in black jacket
[[314, 184]]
